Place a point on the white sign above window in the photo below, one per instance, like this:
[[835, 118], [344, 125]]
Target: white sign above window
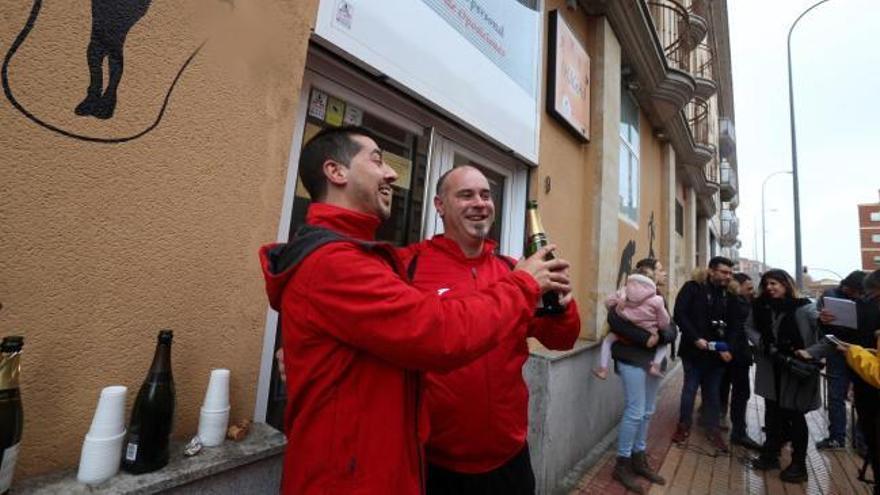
[[477, 60]]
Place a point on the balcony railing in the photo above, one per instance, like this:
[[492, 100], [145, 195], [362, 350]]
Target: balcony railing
[[702, 64], [712, 173], [672, 25], [697, 113], [729, 227], [728, 181]]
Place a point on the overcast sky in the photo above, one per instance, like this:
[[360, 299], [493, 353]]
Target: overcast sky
[[836, 67]]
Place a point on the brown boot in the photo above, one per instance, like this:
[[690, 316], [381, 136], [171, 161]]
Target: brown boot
[[641, 467], [623, 473]]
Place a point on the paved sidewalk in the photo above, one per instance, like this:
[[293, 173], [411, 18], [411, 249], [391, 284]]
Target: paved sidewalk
[[693, 468]]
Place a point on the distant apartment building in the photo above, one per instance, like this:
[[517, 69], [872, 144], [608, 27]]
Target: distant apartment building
[[869, 232]]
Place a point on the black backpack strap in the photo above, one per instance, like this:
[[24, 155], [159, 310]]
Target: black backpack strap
[[411, 268]]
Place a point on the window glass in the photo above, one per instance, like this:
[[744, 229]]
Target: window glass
[[629, 157]]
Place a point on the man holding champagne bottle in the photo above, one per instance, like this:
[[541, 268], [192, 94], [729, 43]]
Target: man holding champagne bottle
[[479, 412], [356, 336]]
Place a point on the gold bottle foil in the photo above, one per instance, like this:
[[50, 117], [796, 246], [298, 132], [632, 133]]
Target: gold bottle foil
[[10, 368]]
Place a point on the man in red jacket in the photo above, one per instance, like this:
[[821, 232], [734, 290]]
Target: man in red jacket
[[479, 412], [356, 335]]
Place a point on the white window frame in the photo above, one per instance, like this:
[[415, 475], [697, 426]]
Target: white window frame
[[638, 162]]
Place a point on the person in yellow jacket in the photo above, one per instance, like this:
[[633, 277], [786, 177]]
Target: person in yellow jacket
[[865, 362]]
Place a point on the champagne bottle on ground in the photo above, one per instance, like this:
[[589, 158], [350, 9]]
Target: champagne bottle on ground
[[149, 431], [549, 303], [11, 414]]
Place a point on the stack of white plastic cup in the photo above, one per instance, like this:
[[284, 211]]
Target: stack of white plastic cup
[[214, 417], [102, 447]]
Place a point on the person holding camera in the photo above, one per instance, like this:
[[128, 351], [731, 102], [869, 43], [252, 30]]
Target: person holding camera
[[784, 328], [708, 315]]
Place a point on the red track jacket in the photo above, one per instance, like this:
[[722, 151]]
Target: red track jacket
[[479, 412], [354, 332]]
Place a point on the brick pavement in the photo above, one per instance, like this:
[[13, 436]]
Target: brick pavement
[[694, 469]]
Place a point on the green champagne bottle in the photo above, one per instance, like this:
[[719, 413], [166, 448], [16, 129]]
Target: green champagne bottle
[[11, 414], [549, 303], [152, 418]]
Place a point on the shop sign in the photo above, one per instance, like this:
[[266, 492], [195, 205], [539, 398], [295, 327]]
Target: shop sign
[[568, 78]]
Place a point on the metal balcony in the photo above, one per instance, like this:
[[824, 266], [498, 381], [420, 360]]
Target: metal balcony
[[727, 139], [728, 181], [729, 228], [697, 113], [672, 24], [703, 58]]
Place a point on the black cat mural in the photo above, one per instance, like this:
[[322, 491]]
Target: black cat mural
[[111, 22]]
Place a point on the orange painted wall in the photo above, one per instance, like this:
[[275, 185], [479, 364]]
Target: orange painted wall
[[102, 245]]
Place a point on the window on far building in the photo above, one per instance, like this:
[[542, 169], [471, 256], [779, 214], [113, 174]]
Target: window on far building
[[875, 216], [629, 157], [877, 260], [679, 218], [875, 238]]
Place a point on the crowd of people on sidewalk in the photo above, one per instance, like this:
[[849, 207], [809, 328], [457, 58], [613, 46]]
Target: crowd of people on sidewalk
[[726, 326], [404, 365]]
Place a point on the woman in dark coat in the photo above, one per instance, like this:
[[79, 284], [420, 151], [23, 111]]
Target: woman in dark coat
[[785, 330]]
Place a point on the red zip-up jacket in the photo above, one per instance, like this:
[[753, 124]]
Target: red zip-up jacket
[[354, 335], [479, 411]]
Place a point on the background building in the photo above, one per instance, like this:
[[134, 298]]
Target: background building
[[123, 216], [869, 233]]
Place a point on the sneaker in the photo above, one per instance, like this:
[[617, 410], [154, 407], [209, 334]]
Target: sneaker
[[714, 437], [682, 432], [829, 444], [794, 473]]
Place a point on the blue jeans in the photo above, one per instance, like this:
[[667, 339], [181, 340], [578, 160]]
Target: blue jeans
[[640, 395], [838, 386], [709, 378]]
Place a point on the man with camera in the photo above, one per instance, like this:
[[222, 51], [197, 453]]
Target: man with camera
[[710, 320]]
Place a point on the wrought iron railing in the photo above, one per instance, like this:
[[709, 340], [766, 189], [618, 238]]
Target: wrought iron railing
[[702, 62], [729, 225], [671, 24], [697, 113], [712, 174], [728, 175]]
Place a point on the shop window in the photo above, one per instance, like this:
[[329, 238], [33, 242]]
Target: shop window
[[629, 157], [679, 218]]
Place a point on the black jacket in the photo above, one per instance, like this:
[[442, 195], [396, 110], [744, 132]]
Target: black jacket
[[633, 351], [698, 304]]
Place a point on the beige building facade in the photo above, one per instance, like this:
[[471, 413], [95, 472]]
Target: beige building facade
[[127, 210]]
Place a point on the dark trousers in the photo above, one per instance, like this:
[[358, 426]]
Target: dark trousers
[[735, 392], [783, 423], [838, 386], [708, 378], [515, 477]]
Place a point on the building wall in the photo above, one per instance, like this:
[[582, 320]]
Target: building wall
[[870, 250], [104, 244]]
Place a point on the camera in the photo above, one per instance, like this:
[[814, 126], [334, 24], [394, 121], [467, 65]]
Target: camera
[[719, 327]]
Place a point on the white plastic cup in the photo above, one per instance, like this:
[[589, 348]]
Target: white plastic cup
[[212, 426], [109, 418], [99, 459], [217, 395]]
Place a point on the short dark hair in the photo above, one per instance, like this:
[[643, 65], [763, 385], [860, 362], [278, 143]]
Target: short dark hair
[[720, 260], [646, 263], [741, 277], [332, 143], [855, 280], [872, 281]]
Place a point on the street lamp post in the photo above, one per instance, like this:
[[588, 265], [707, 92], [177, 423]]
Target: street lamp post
[[764, 218], [794, 169]]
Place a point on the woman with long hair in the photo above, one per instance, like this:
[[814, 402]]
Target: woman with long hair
[[784, 328]]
